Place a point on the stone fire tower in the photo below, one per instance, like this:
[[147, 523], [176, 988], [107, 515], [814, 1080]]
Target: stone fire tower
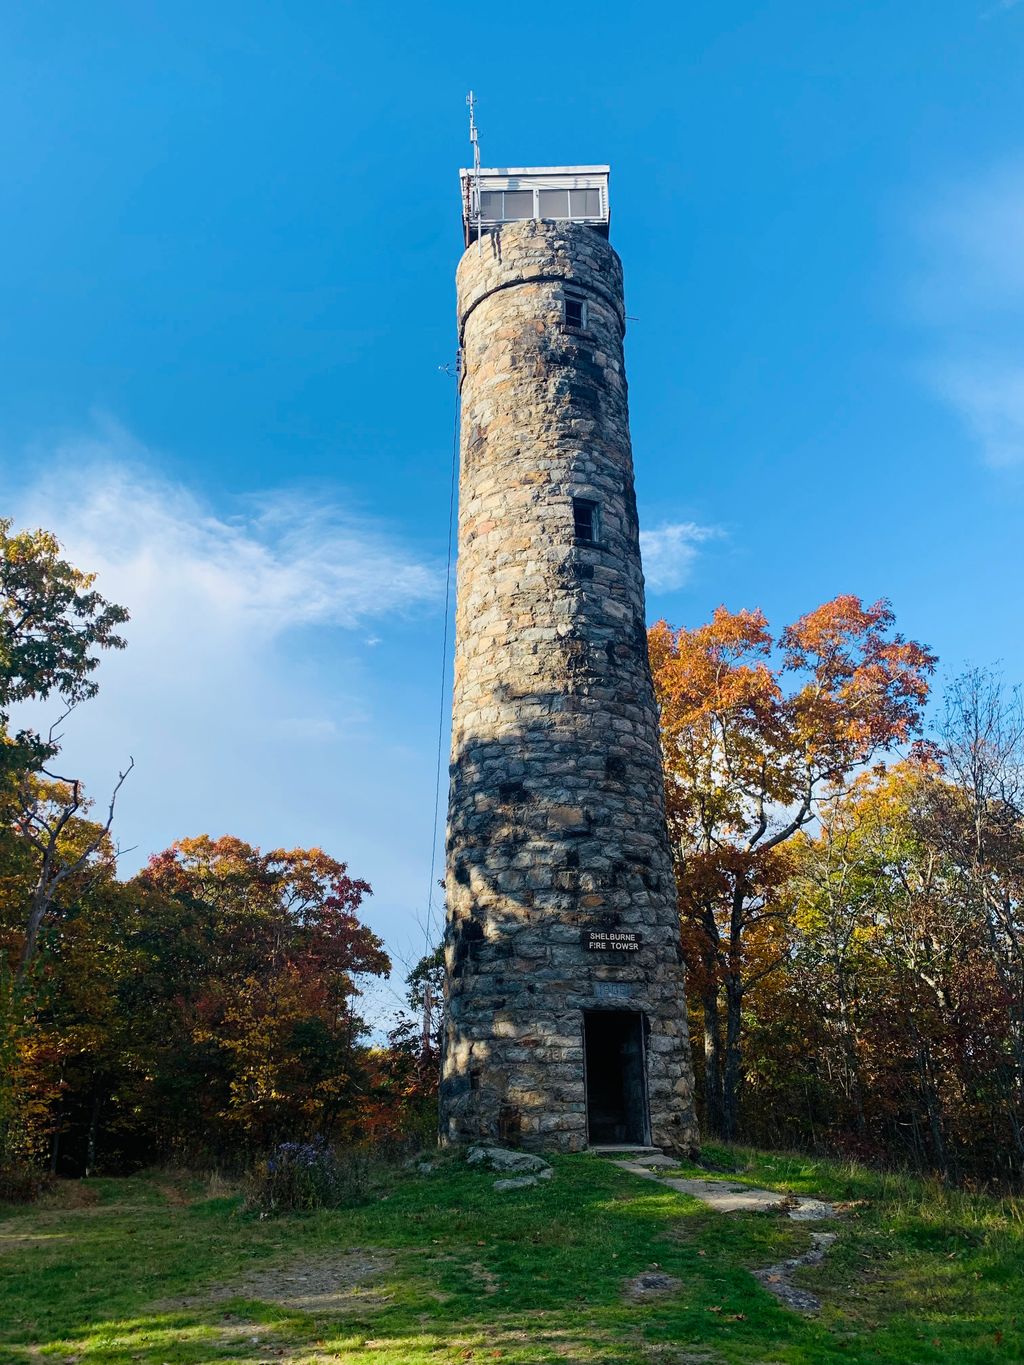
[[565, 1021]]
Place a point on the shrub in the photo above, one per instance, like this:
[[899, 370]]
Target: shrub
[[22, 1184], [308, 1175]]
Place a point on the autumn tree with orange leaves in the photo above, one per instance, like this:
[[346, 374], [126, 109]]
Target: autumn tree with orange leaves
[[270, 1001], [756, 732]]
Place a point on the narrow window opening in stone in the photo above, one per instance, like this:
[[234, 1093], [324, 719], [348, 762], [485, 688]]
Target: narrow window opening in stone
[[616, 1081], [575, 312], [585, 520], [615, 768]]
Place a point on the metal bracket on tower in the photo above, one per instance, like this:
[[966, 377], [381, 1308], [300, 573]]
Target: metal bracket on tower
[[453, 369]]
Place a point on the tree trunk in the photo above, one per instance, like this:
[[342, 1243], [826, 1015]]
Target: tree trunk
[[1015, 1089], [1018, 1138], [931, 1104], [733, 1058], [851, 1057], [712, 1062], [90, 1146], [37, 913]]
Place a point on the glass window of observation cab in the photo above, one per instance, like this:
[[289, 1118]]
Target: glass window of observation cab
[[552, 203], [584, 203], [518, 204], [509, 196]]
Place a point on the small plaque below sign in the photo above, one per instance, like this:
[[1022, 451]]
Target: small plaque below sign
[[613, 990], [611, 940]]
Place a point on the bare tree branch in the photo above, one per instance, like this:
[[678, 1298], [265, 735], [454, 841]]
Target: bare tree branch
[[43, 829]]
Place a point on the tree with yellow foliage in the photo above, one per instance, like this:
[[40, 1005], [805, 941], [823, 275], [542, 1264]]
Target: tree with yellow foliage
[[755, 731]]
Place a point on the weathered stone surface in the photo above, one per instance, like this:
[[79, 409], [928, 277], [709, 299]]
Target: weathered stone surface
[[518, 1182], [810, 1210], [656, 1161], [776, 1278], [501, 1159], [651, 1284], [556, 812]]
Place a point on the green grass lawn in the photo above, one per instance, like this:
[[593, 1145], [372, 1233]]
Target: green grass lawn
[[439, 1268]]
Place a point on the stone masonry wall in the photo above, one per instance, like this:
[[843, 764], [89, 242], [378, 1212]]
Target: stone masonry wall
[[556, 812]]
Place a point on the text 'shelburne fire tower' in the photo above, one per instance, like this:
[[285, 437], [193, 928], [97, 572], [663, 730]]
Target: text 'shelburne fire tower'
[[565, 1022]]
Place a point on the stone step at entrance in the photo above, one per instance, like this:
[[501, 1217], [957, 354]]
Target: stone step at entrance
[[623, 1149], [647, 1158]]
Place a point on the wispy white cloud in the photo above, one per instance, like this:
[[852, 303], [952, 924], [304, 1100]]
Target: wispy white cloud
[[970, 294], [277, 562], [990, 401], [669, 553], [247, 695], [974, 246]]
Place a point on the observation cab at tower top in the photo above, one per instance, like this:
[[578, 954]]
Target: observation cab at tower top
[[570, 194]]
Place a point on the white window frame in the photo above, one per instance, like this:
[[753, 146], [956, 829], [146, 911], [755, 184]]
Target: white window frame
[[535, 190]]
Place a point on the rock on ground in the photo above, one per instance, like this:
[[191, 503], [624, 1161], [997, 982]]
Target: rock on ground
[[502, 1159], [651, 1284]]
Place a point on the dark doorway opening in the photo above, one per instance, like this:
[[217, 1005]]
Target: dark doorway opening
[[616, 1081]]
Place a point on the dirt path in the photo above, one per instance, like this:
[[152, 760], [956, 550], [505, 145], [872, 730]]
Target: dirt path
[[725, 1196]]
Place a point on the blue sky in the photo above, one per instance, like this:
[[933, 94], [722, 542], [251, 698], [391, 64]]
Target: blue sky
[[227, 246]]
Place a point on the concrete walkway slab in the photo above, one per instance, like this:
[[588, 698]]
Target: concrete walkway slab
[[727, 1197]]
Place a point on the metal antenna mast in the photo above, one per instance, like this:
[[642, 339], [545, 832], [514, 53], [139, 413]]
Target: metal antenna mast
[[475, 207]]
